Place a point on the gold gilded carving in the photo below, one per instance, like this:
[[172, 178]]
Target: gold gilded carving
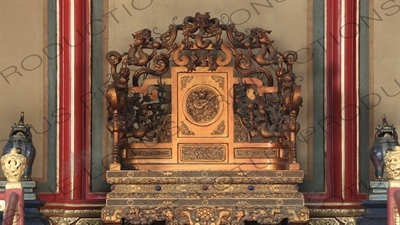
[[392, 162], [336, 212], [72, 213], [249, 180], [220, 128], [185, 80], [347, 220], [112, 214], [207, 216], [256, 153], [319, 221], [89, 221], [216, 215], [185, 129], [242, 203], [127, 188], [167, 203], [333, 221], [276, 190], [220, 80], [241, 133], [202, 105], [298, 214], [196, 152], [170, 217], [167, 173], [212, 197], [13, 165], [202, 59], [196, 177], [130, 202], [138, 153], [164, 133], [63, 220]]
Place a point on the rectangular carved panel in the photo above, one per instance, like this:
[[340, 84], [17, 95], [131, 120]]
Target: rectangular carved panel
[[203, 152], [249, 153], [140, 153]]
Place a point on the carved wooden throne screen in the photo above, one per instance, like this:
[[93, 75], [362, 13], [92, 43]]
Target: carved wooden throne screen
[[203, 132]]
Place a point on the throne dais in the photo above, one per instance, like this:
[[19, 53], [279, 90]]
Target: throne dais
[[204, 134]]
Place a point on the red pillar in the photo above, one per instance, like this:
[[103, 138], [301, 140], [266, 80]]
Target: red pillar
[[73, 93], [341, 106]]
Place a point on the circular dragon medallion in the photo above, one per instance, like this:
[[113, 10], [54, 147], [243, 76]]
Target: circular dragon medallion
[[202, 105]]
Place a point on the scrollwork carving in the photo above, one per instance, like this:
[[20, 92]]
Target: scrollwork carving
[[220, 80], [185, 129], [220, 128], [164, 134], [211, 215], [241, 133], [141, 116], [210, 152], [185, 80]]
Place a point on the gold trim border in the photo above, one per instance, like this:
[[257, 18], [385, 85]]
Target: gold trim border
[[336, 213], [82, 213], [335, 216], [317, 216], [333, 221], [75, 220]]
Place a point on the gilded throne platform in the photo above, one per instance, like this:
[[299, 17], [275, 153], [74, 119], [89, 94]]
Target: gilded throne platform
[[201, 135]]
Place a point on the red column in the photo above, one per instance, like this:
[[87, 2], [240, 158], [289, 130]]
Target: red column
[[349, 113], [333, 98], [341, 106], [74, 99]]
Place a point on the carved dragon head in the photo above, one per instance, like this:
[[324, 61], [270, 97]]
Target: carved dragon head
[[141, 37], [260, 35], [202, 20]]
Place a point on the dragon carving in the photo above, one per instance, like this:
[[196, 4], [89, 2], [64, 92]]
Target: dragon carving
[[257, 37], [142, 39], [140, 115]]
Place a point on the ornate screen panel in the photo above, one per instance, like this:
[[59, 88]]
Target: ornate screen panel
[[201, 101], [111, 24]]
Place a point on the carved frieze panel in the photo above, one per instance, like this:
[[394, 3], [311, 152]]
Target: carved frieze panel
[[139, 153], [256, 153], [203, 152], [235, 215]]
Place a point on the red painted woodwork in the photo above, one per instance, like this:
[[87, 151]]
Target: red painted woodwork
[[14, 198], [341, 114], [350, 32], [393, 204], [73, 98]]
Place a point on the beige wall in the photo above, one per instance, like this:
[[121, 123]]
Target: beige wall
[[385, 62], [23, 36]]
